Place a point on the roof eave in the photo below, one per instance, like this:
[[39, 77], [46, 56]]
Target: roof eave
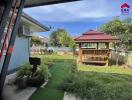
[[24, 15], [49, 3], [117, 40]]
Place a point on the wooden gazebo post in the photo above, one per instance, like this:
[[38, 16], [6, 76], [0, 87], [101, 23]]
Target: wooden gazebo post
[[97, 45], [107, 45], [80, 53]]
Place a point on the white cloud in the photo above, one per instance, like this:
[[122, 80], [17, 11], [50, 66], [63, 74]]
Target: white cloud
[[76, 11]]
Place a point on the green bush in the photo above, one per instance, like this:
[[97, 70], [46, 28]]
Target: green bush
[[25, 70], [36, 79], [43, 71], [73, 66], [129, 48], [98, 86]]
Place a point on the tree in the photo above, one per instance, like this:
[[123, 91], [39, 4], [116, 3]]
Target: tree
[[54, 38], [64, 38], [128, 20], [61, 37], [121, 29], [72, 43], [36, 40]]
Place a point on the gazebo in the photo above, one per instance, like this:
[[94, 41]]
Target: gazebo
[[94, 47]]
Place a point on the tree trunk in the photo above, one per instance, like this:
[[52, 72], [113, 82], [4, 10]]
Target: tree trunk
[[117, 57]]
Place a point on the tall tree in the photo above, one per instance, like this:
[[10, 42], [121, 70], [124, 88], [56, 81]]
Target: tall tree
[[61, 37], [64, 38], [121, 29], [55, 38]]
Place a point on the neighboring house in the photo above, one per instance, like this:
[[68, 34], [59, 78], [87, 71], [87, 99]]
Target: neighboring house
[[41, 48], [21, 50], [44, 40]]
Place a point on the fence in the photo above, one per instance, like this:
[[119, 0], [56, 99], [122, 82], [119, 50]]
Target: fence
[[123, 57], [43, 50]]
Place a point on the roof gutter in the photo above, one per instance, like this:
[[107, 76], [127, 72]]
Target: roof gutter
[[35, 21]]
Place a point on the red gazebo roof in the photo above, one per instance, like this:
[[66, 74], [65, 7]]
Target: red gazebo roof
[[96, 36]]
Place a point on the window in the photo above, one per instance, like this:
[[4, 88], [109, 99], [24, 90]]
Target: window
[[102, 46], [85, 45], [89, 45]]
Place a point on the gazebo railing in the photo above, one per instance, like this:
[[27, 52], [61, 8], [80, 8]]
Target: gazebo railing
[[95, 56]]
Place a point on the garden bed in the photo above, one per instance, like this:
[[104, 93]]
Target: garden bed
[[100, 83], [59, 68]]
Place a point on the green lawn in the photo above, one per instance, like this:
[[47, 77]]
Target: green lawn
[[101, 69], [100, 83], [91, 82], [59, 71]]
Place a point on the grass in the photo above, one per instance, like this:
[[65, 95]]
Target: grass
[[59, 71], [100, 83], [99, 86], [101, 69], [90, 82]]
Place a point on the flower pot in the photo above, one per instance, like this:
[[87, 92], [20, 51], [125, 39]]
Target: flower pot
[[22, 82], [35, 81]]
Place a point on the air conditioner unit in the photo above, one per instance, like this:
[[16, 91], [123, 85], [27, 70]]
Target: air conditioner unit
[[25, 30]]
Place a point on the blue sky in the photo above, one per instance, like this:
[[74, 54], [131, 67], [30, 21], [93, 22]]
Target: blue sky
[[78, 17]]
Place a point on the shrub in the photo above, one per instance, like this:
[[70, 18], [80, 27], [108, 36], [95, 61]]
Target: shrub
[[25, 70], [44, 72], [36, 79], [98, 86], [72, 66], [129, 48]]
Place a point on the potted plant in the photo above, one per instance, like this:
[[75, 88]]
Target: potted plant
[[39, 77], [22, 76], [25, 77]]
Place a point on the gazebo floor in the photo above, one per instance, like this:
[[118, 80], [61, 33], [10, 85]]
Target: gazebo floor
[[102, 62], [98, 56]]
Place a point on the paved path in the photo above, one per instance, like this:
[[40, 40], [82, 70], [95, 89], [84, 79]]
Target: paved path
[[11, 91], [68, 96]]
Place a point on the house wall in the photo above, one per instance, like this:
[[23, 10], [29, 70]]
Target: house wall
[[20, 53]]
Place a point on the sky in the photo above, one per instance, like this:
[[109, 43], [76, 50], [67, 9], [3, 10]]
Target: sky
[[78, 17]]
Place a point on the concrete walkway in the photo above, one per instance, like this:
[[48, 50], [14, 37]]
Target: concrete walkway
[[68, 96], [11, 91]]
